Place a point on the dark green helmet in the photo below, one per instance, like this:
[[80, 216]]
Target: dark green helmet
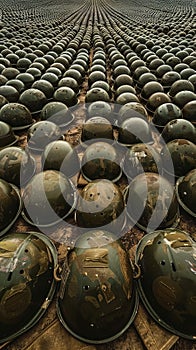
[[127, 97], [150, 88], [16, 115], [33, 99], [156, 100], [96, 94], [66, 95], [134, 130], [184, 97], [7, 137], [141, 158], [10, 93], [167, 283], [101, 203], [3, 101], [165, 113], [180, 85], [131, 109], [182, 152], [101, 161], [151, 202], [42, 133], [57, 112], [16, 165], [11, 205], [45, 86], [27, 284], [189, 111], [99, 109], [97, 300], [46, 205], [61, 156], [96, 128], [178, 129], [186, 192]]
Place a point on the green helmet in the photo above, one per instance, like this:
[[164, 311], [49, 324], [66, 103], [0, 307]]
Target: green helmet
[[167, 283], [11, 205], [184, 97], [16, 115], [150, 88], [96, 128], [27, 285], [180, 85], [101, 161], [96, 94], [97, 300], [156, 100], [134, 130], [151, 202], [9, 92], [46, 205], [177, 129], [189, 111], [141, 158], [45, 86], [16, 165], [101, 203], [33, 99], [186, 192], [7, 137], [3, 101], [66, 95], [131, 109], [99, 109], [165, 113], [61, 156], [42, 133], [57, 112], [182, 152]]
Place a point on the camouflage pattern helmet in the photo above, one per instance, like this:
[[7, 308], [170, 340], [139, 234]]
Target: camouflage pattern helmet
[[11, 205], [101, 161], [186, 192], [101, 203], [61, 156], [16, 115], [16, 165], [141, 158], [7, 137], [134, 130], [97, 300], [46, 205], [27, 285], [177, 129], [182, 152], [167, 284], [151, 202]]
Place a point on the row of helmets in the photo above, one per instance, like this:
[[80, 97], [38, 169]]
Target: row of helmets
[[97, 300]]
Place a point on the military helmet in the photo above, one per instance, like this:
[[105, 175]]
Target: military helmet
[[101, 161], [100, 109], [96, 128], [61, 156], [169, 78], [134, 130], [184, 97], [66, 95], [182, 152], [16, 115], [131, 109], [69, 82], [57, 112], [16, 165], [46, 205], [178, 129], [165, 113], [45, 86], [167, 283], [11, 205], [7, 137], [9, 92], [151, 202], [186, 192], [27, 285], [126, 97], [104, 302], [122, 80], [17, 84], [101, 203], [156, 100], [33, 99], [180, 85], [41, 133], [3, 101], [189, 111], [150, 88], [141, 158], [96, 94]]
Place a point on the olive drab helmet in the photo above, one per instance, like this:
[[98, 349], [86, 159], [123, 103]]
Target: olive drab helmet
[[99, 109], [177, 129], [57, 112], [16, 115], [186, 192], [165, 113], [27, 285], [45, 205], [101, 161], [42, 133], [101, 203], [96, 128], [141, 158], [97, 300], [151, 202], [134, 130], [16, 165], [11, 205], [7, 137], [61, 156], [167, 284]]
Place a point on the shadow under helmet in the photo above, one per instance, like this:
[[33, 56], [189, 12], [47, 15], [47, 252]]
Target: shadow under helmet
[[167, 284], [97, 300], [27, 284]]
